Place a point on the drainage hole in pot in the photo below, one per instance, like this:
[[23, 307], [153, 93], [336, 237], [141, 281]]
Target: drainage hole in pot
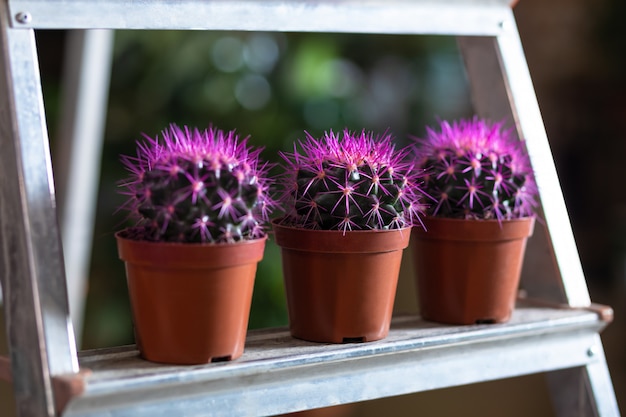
[[221, 358], [353, 339], [485, 321]]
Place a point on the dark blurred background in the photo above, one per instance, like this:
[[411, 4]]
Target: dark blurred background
[[273, 86]]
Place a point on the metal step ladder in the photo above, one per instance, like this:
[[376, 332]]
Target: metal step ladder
[[555, 330]]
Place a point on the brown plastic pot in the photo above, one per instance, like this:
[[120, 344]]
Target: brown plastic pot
[[340, 287], [468, 271], [190, 302]]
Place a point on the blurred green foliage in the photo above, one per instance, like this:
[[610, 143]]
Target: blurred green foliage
[[271, 87]]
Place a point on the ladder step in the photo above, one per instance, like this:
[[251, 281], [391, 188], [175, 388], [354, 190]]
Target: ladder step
[[468, 17], [279, 374]]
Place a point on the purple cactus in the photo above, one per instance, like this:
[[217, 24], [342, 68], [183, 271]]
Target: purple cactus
[[349, 181], [197, 186], [476, 170]]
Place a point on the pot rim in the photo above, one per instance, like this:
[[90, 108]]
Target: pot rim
[[338, 241], [186, 254], [474, 229]]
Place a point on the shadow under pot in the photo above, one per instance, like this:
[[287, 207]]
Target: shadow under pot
[[340, 287], [468, 271], [190, 301]]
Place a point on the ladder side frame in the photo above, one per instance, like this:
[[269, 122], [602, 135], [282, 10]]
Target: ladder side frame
[[592, 383], [85, 87], [502, 90], [40, 334]]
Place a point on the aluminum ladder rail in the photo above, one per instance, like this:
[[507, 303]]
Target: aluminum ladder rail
[[43, 359]]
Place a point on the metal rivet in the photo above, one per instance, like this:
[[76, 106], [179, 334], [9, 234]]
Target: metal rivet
[[23, 17], [592, 351]]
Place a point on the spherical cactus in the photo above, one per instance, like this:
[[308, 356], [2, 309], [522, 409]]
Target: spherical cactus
[[349, 181], [197, 186], [476, 170]]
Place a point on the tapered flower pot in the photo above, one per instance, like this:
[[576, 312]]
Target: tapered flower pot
[[468, 271], [340, 286], [190, 302]]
